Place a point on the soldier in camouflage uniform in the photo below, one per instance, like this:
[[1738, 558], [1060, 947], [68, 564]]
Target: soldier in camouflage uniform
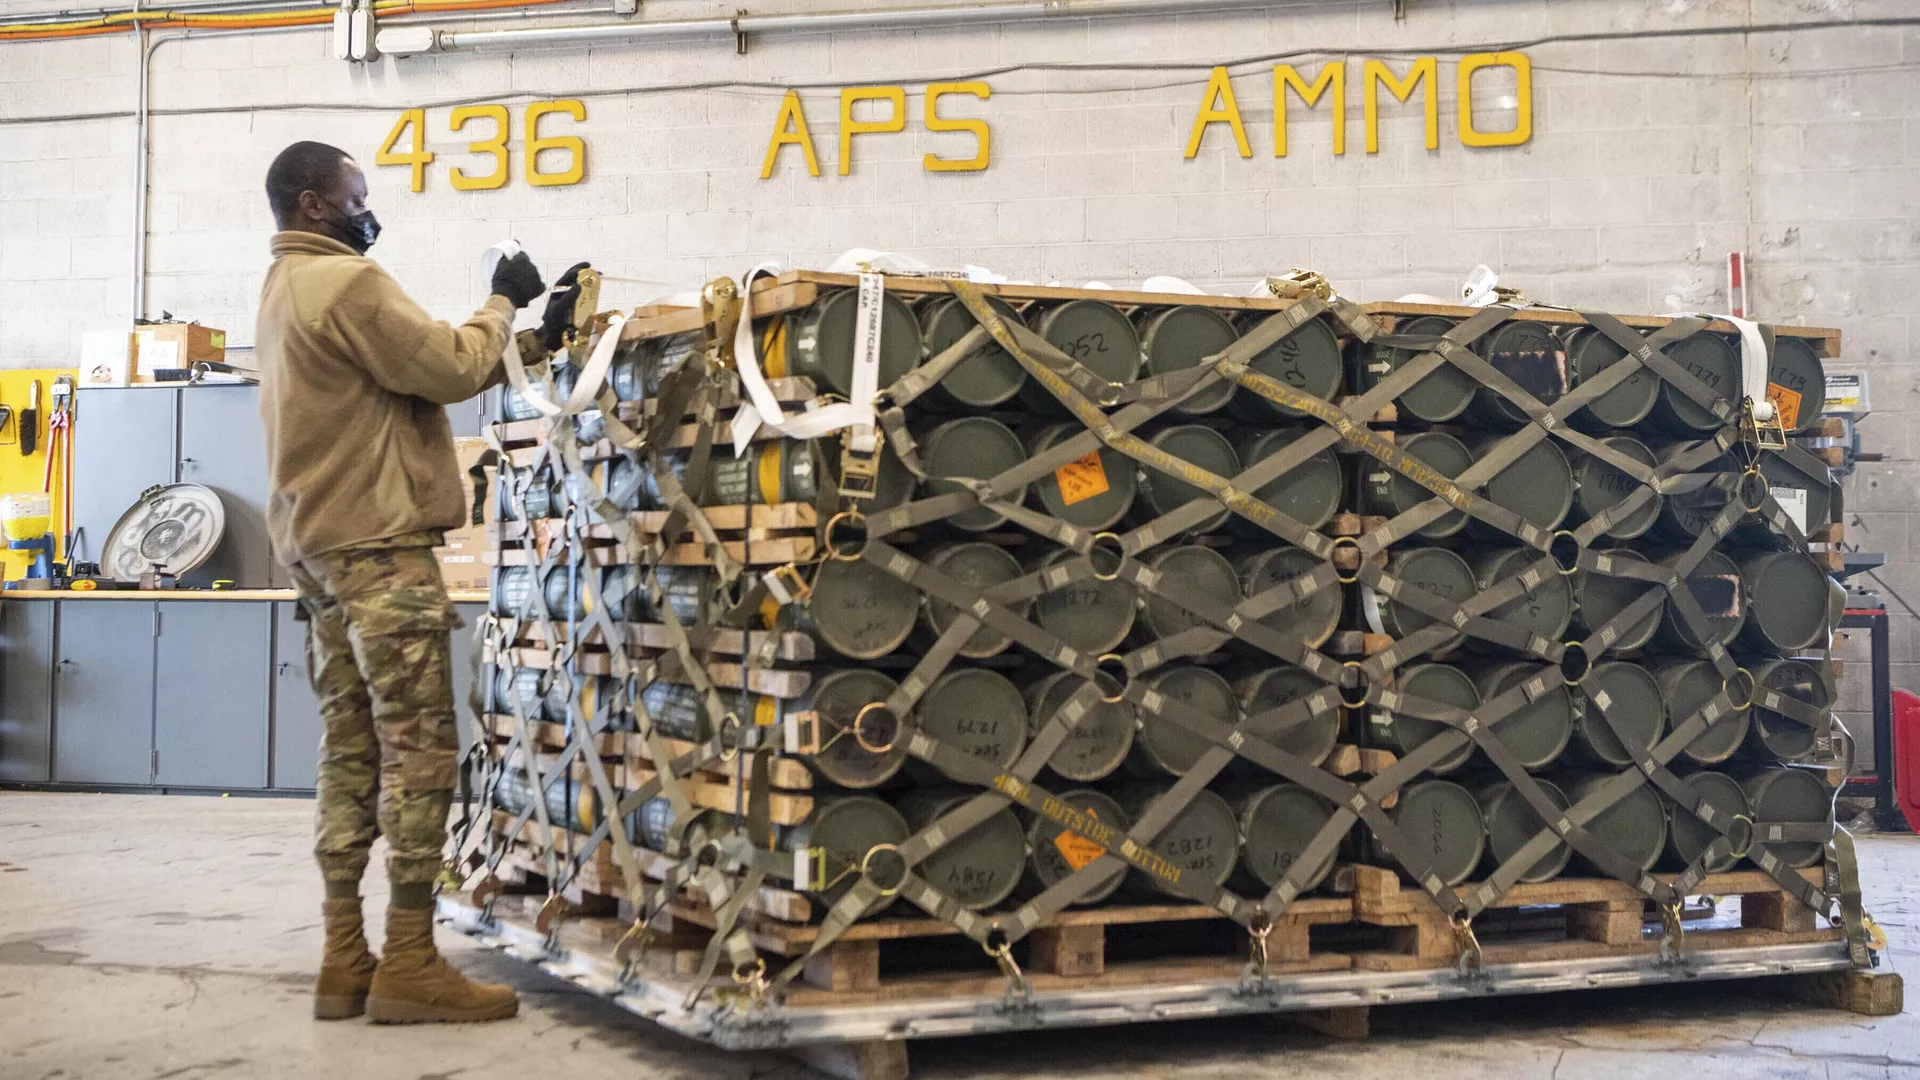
[[363, 476]]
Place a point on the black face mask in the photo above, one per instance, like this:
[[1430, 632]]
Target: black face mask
[[358, 231]]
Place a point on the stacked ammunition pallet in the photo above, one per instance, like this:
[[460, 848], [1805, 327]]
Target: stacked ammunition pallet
[[1322, 640]]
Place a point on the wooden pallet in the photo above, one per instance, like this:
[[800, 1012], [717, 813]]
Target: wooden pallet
[[1357, 643], [1596, 916], [773, 682], [784, 772], [1825, 341]]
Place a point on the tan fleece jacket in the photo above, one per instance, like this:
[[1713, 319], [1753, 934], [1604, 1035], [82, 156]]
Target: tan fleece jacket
[[354, 378]]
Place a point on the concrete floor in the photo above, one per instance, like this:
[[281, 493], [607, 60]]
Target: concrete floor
[[168, 937]]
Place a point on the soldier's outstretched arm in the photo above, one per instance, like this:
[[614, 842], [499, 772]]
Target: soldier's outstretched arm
[[410, 352]]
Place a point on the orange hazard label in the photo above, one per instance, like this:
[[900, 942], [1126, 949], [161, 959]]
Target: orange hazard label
[[1078, 850], [1081, 479], [1786, 404]]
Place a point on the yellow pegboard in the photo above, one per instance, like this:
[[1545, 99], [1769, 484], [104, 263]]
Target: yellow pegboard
[[22, 473]]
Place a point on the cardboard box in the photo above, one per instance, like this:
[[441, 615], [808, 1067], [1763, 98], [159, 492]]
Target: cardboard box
[[175, 345], [106, 358], [463, 563]]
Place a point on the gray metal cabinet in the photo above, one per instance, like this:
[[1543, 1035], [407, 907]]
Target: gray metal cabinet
[[26, 692], [296, 712], [465, 419], [210, 693], [103, 693], [123, 444], [223, 446]]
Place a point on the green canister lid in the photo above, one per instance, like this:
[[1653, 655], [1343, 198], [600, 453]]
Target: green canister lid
[[1310, 492], [1265, 691], [1782, 796], [1786, 595], [970, 446], [1773, 734], [1097, 744], [1688, 685], [1538, 485], [1441, 822], [1806, 494], [1537, 731], [678, 711], [1308, 622], [857, 609], [845, 828], [1436, 570], [976, 711], [1308, 360], [1688, 512], [818, 342], [511, 592], [1189, 572], [1277, 822], [979, 566], [988, 376], [1512, 821], [1688, 836], [527, 685], [977, 868], [1796, 384], [1176, 338], [1716, 586], [1545, 609], [1202, 842], [1598, 486], [1388, 492], [1635, 827], [1600, 598], [1095, 334], [867, 752], [595, 694], [1089, 614], [1162, 493], [1633, 706], [687, 591], [1442, 395], [1164, 746], [1527, 353], [1403, 732], [1091, 492], [1590, 352], [1054, 853], [1713, 360]]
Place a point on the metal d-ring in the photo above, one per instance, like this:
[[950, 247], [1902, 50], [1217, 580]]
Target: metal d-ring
[[1573, 565], [1359, 559], [1100, 539], [836, 550], [1099, 670], [1743, 852], [859, 723], [1766, 488], [1753, 687], [1355, 665], [866, 865]]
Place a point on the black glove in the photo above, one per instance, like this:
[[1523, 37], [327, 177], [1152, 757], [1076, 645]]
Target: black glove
[[559, 316], [518, 280]]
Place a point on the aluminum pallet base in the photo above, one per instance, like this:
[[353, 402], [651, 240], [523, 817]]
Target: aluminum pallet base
[[779, 1026]]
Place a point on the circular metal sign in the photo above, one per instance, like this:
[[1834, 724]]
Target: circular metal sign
[[172, 529]]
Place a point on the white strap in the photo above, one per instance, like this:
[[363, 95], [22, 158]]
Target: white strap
[[761, 407], [1753, 360], [866, 355]]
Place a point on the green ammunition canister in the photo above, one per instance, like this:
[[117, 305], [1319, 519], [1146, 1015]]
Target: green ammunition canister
[[1435, 570], [1688, 837], [1512, 821], [1600, 598], [987, 377], [596, 696], [1165, 747], [1308, 622], [1277, 822], [1054, 853], [1403, 732], [975, 711], [856, 609], [818, 343], [970, 446], [1193, 573], [1176, 338], [510, 592], [1786, 593], [1598, 487], [678, 711], [1796, 384], [978, 868], [835, 841], [859, 747], [1264, 691], [1590, 352], [1536, 731], [1310, 492], [571, 805], [1092, 492], [1095, 334], [1634, 712], [1307, 360], [1527, 353], [527, 494], [1441, 823], [1773, 735], [1091, 615], [1688, 685], [1162, 493], [1786, 796], [526, 685], [1634, 827], [1538, 486], [1687, 512], [688, 591], [1807, 493], [1098, 743], [1714, 361], [1201, 843], [1385, 491], [1716, 586], [1442, 395], [652, 827], [979, 566], [1544, 609]]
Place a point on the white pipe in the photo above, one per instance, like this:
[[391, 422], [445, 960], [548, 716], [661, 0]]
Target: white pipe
[[147, 45], [829, 21]]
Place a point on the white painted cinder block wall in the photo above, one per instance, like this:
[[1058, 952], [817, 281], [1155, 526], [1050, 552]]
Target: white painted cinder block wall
[[1651, 159]]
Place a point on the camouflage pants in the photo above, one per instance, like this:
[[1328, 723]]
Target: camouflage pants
[[378, 655]]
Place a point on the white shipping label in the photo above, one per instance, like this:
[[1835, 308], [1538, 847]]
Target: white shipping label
[[800, 881], [1794, 502]]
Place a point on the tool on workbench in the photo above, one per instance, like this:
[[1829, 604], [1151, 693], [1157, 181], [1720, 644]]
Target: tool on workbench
[[60, 449], [30, 421]]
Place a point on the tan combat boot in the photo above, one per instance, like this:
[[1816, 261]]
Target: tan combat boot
[[415, 985], [346, 967]]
